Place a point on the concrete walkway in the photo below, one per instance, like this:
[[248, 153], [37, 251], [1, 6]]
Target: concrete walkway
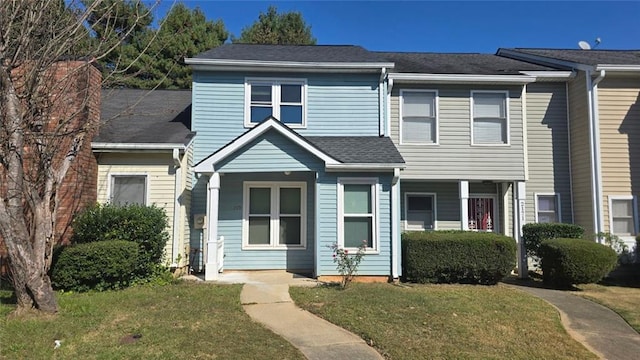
[[599, 329], [265, 297]]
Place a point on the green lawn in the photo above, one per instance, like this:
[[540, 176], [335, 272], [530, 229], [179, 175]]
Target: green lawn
[[183, 321], [445, 321]]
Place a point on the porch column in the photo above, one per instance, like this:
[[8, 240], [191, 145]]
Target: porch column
[[464, 204], [213, 196], [519, 219]]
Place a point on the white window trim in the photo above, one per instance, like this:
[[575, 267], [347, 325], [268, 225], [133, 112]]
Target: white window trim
[[110, 177], [434, 210], [375, 191], [273, 81], [634, 205], [558, 207], [496, 208], [275, 214], [507, 113], [437, 117]]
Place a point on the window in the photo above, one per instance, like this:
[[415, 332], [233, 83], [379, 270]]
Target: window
[[274, 215], [547, 208], [490, 122], [357, 213], [281, 98], [128, 189], [419, 211], [419, 119], [622, 215]]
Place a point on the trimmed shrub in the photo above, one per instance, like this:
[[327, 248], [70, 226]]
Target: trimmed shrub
[[457, 257], [567, 262], [535, 233], [99, 266], [144, 225]]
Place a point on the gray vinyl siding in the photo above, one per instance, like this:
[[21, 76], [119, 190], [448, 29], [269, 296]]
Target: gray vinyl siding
[[548, 147], [455, 158], [580, 159], [337, 104]]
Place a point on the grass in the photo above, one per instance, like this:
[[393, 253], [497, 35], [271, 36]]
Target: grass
[[445, 321], [622, 300], [182, 321]]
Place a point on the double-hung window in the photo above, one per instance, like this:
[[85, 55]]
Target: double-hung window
[[419, 211], [128, 189], [490, 119], [284, 99], [547, 208], [358, 213], [419, 117], [274, 215], [622, 216]]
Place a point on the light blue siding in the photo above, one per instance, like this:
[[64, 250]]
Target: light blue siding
[[372, 264], [270, 152], [336, 105]]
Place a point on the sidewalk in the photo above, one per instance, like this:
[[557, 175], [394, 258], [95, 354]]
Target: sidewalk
[[599, 329], [265, 297]]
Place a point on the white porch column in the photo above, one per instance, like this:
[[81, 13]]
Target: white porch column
[[464, 204], [395, 224], [213, 196], [519, 219]]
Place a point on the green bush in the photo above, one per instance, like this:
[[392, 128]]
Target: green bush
[[95, 266], [535, 233], [457, 257], [567, 262], [144, 225]]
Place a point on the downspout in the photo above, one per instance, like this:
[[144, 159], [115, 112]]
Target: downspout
[[177, 192], [389, 90], [594, 139], [381, 102], [395, 224], [566, 95]]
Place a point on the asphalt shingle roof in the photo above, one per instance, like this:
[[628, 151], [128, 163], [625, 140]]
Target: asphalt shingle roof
[[143, 116], [587, 57], [358, 149], [293, 53], [458, 63]]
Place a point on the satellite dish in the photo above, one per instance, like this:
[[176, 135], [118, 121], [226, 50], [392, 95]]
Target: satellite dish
[[584, 45]]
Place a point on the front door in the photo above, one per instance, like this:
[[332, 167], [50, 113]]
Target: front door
[[482, 213]]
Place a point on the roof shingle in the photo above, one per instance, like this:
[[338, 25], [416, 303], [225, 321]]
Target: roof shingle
[[587, 57], [358, 149]]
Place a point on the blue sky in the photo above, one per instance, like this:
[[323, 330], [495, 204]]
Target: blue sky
[[452, 26]]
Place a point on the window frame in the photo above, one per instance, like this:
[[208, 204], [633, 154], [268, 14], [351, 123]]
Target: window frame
[[434, 212], [436, 116], [274, 216], [634, 216], [375, 208], [110, 184], [507, 116], [558, 211], [276, 101]]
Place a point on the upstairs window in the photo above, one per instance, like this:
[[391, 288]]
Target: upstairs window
[[489, 117], [622, 216], [284, 99], [419, 121]]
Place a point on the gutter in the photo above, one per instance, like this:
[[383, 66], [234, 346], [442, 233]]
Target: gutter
[[594, 153], [614, 68], [177, 191], [462, 78], [363, 167], [135, 146]]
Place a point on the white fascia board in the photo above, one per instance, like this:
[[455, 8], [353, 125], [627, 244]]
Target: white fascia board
[[461, 78], [106, 147], [208, 165], [230, 65], [615, 68], [537, 59], [363, 167], [550, 75]]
